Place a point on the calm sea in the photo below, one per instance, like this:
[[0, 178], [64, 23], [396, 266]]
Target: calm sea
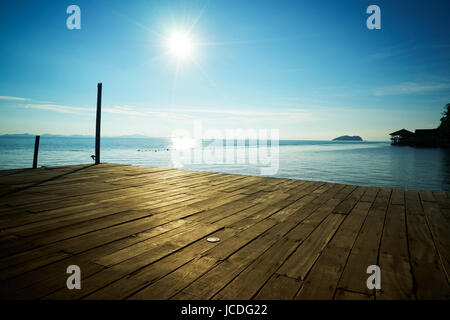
[[360, 163]]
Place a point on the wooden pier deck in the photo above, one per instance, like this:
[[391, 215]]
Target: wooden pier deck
[[140, 233]]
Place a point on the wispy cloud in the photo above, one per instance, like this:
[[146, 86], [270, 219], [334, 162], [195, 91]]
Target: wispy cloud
[[126, 110], [13, 98], [407, 49], [292, 98], [254, 114], [119, 110], [186, 113], [411, 88], [59, 108], [392, 51], [145, 112]]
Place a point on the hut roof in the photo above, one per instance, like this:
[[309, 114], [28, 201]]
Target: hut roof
[[402, 132]]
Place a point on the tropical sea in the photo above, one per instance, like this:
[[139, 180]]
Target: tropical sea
[[350, 162]]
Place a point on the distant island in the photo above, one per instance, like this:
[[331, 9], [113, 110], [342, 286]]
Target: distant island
[[348, 138]]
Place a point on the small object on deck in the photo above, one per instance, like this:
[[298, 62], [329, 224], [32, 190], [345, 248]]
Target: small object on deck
[[36, 151], [213, 239]]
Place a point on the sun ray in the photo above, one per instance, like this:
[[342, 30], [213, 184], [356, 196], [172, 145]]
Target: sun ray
[[226, 43], [196, 20], [140, 25], [203, 72], [174, 86]]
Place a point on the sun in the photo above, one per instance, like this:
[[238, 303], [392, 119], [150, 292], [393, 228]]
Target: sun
[[181, 46]]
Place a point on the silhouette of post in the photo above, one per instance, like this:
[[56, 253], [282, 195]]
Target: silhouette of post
[[36, 151], [97, 127]]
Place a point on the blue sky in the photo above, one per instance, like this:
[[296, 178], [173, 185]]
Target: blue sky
[[311, 69]]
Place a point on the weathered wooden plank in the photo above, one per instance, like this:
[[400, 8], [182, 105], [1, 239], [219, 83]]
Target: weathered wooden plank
[[132, 283], [323, 279], [412, 203], [426, 195], [429, 274], [95, 242], [370, 194], [442, 199], [395, 266], [279, 287], [126, 259], [88, 284], [310, 219], [231, 245], [218, 277], [248, 283], [347, 205], [398, 197], [365, 250], [47, 283], [301, 261], [349, 295], [439, 227], [177, 280]]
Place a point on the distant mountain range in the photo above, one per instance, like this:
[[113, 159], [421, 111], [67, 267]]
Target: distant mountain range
[[27, 135]]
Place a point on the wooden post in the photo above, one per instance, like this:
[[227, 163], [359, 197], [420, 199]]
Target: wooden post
[[97, 127], [36, 151]]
